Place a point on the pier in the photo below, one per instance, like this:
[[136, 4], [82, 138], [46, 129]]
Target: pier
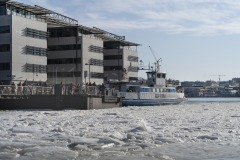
[[57, 97]]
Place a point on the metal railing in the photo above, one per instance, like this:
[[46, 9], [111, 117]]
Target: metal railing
[[25, 90], [65, 90]]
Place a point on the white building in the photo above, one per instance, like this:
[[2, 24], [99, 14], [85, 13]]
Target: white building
[[23, 45], [73, 53], [40, 45], [120, 58], [23, 41]]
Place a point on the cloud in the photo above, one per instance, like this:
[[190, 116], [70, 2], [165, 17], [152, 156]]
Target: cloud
[[173, 16], [201, 17]]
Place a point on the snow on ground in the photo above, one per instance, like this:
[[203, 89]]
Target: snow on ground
[[186, 131]]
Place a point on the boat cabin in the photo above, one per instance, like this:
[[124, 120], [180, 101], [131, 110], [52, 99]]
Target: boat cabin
[[156, 79], [139, 88]]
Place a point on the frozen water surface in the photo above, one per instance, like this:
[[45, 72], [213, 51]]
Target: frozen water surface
[[186, 131]]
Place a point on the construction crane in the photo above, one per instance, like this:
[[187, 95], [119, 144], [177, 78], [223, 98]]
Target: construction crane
[[219, 78], [157, 65]]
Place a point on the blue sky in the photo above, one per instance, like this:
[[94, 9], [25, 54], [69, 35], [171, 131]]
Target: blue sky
[[195, 38]]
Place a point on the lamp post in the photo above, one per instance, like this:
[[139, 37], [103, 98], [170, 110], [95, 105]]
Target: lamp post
[[89, 64]]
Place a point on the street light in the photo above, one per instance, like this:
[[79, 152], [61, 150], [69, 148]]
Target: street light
[[89, 64]]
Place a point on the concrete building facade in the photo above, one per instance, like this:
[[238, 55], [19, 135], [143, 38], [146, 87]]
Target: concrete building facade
[[75, 56], [39, 45], [23, 47], [120, 62], [120, 58]]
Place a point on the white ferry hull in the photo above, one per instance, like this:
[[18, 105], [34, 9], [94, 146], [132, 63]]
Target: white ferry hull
[[150, 99]]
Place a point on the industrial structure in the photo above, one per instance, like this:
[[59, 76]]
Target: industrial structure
[[40, 45]]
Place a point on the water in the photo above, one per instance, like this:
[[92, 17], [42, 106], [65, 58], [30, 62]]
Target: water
[[201, 128], [215, 99]]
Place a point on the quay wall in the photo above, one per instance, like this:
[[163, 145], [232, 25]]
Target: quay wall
[[53, 102]]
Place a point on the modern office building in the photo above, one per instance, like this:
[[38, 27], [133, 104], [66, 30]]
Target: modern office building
[[82, 55], [23, 41], [120, 61], [40, 45], [23, 45], [75, 55], [120, 58]]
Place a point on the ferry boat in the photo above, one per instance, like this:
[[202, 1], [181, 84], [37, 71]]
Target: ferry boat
[[155, 91]]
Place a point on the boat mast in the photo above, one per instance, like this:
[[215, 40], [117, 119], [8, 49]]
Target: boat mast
[[157, 63]]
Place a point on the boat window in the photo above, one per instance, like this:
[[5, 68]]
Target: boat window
[[169, 90], [163, 75], [149, 76], [145, 90], [132, 89]]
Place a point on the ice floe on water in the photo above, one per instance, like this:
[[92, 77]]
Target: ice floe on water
[[184, 131]]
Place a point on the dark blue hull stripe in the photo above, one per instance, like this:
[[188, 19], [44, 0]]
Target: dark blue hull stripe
[[147, 102]]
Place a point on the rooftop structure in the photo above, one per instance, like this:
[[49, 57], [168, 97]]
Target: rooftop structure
[[110, 37], [39, 13], [29, 38]]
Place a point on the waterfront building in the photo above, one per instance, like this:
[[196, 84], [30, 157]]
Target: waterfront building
[[120, 58], [75, 55], [23, 44], [40, 45], [23, 41]]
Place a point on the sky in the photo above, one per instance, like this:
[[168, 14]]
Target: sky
[[198, 40]]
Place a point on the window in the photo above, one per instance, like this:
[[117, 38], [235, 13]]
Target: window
[[4, 47], [161, 75], [111, 45], [62, 32], [4, 66], [36, 33], [112, 57], [64, 61], [2, 8], [133, 69], [96, 62], [64, 47], [112, 68], [63, 74], [35, 68], [95, 49], [133, 78], [133, 58], [97, 75], [35, 51], [4, 29]]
